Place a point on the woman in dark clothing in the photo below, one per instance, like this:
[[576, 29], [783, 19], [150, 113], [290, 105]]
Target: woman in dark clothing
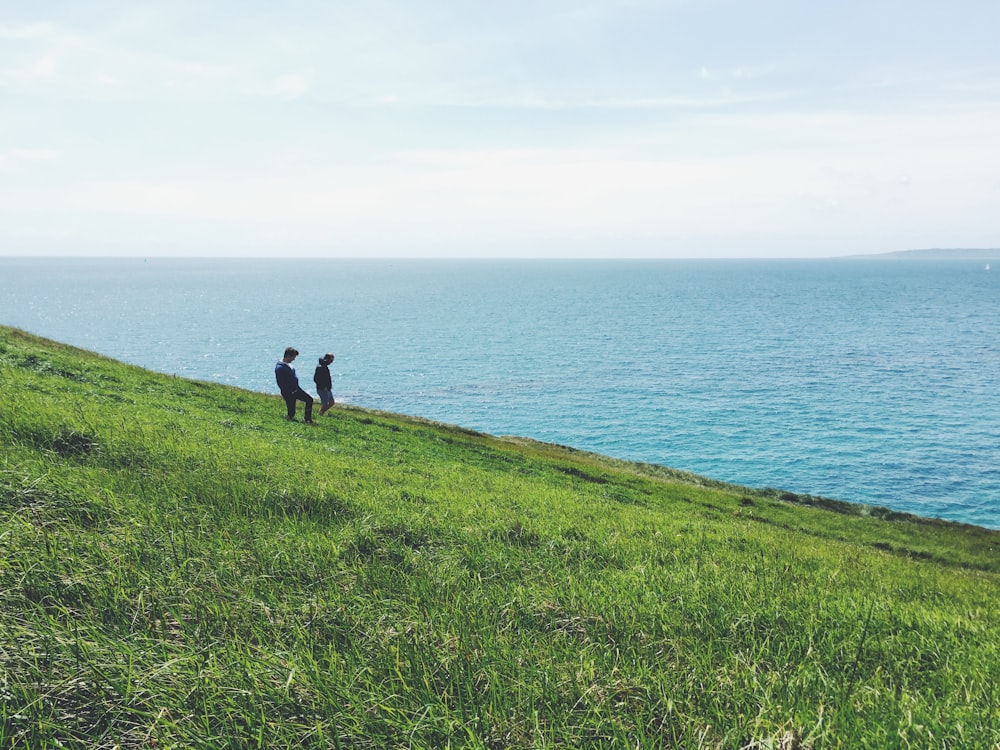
[[324, 383]]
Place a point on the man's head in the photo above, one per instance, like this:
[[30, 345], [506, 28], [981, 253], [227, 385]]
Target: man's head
[[290, 353]]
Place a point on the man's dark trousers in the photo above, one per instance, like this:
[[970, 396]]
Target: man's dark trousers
[[299, 395]]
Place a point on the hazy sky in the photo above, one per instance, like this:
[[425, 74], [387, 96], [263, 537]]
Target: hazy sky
[[633, 128]]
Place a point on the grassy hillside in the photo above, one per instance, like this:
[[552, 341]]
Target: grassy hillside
[[181, 567]]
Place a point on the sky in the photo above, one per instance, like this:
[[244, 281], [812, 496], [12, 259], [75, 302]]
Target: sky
[[460, 128]]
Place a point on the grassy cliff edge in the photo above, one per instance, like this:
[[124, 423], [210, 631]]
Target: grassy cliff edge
[[181, 567]]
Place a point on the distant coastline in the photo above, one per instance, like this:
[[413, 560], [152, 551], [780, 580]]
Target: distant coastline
[[938, 253]]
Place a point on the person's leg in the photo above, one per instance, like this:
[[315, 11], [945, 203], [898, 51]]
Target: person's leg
[[308, 401], [290, 404], [327, 398]]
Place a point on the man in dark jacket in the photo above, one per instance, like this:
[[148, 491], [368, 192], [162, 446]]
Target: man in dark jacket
[[288, 383]]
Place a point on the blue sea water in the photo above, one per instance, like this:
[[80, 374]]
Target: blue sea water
[[866, 380]]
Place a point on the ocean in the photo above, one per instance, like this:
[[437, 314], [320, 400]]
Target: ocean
[[865, 380]]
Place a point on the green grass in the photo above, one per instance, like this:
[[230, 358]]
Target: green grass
[[181, 567]]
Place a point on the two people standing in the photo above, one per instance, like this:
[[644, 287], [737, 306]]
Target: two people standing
[[291, 391]]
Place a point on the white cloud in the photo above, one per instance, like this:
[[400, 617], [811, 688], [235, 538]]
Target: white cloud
[[15, 156], [33, 154], [45, 67], [727, 98], [26, 31], [848, 197], [290, 86], [555, 121]]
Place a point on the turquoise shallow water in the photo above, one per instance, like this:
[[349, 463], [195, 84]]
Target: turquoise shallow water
[[870, 381]]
